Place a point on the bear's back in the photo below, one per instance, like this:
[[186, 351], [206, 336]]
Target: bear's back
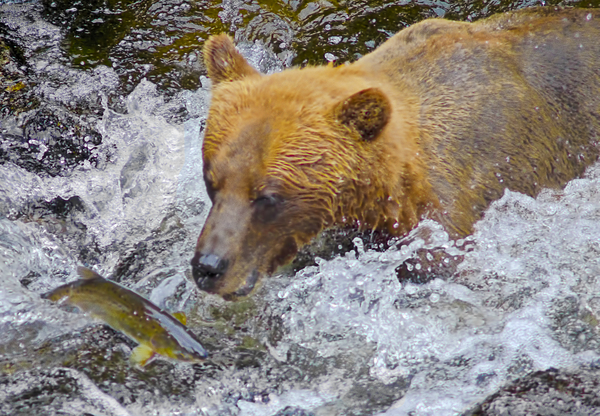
[[512, 101]]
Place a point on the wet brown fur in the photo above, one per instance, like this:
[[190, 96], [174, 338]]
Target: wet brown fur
[[436, 123]]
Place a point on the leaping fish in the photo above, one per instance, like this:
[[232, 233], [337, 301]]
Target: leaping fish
[[156, 331]]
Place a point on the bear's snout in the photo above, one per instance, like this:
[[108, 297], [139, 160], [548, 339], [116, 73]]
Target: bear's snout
[[207, 269]]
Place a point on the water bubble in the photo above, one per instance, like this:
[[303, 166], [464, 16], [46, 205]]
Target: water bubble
[[330, 57], [411, 289]]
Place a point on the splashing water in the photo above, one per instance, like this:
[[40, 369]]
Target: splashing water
[[525, 298], [461, 340]]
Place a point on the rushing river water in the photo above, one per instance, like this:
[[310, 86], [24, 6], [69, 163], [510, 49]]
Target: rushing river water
[[103, 108]]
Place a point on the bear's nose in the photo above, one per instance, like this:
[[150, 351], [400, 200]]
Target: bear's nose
[[206, 269]]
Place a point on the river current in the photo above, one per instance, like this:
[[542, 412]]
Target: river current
[[342, 337]]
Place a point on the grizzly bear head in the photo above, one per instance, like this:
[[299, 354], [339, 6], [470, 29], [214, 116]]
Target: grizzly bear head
[[286, 156]]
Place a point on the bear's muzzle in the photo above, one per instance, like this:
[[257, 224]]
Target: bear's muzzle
[[208, 270]]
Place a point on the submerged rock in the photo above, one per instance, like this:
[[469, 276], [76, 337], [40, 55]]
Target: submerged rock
[[546, 393]]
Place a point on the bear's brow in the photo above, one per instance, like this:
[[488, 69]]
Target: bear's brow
[[240, 157], [246, 144]]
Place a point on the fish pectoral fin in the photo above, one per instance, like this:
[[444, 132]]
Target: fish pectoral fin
[[141, 355], [180, 316]]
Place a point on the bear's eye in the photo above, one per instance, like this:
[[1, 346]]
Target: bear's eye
[[267, 207], [210, 188]]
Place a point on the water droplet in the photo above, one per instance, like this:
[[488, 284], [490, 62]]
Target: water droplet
[[334, 40], [411, 289], [360, 246], [330, 57]]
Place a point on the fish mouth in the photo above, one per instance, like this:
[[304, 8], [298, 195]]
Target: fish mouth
[[197, 354]]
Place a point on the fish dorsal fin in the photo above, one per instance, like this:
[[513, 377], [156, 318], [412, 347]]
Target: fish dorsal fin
[[180, 316], [87, 274]]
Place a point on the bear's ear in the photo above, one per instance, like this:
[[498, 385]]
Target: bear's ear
[[367, 112], [224, 62]]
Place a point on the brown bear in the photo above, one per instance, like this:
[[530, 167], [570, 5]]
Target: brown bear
[[435, 123]]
